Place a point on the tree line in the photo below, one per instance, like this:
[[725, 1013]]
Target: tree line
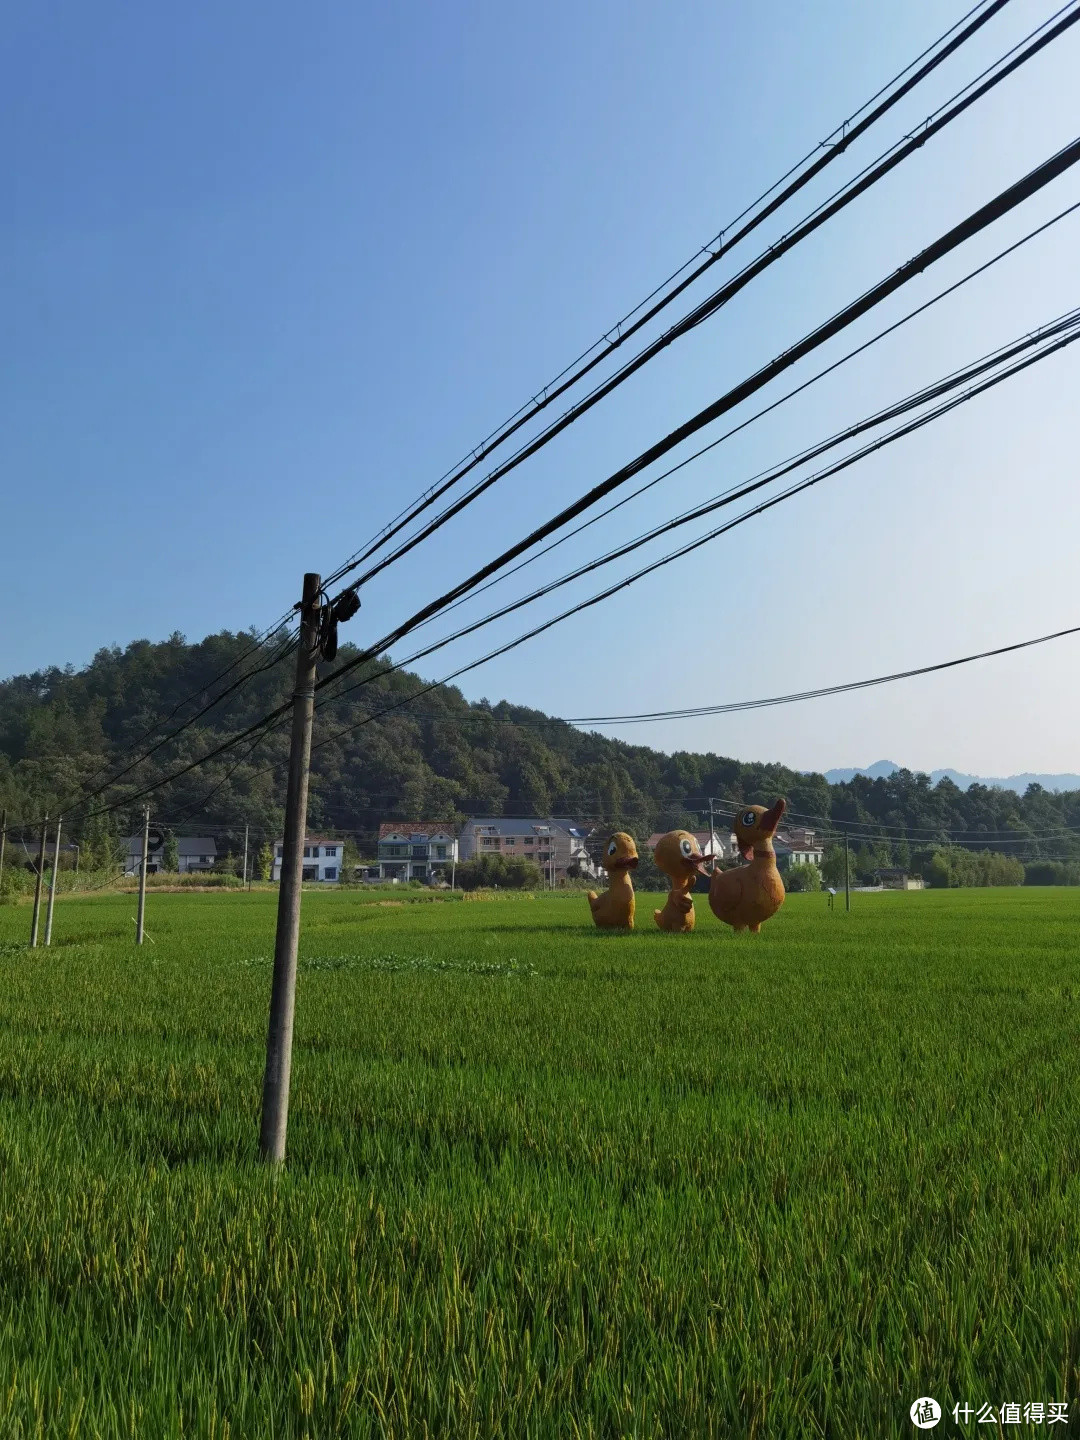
[[63, 730]]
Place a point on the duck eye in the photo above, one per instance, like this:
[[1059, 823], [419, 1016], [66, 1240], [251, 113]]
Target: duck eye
[[687, 847], [749, 818], [612, 848]]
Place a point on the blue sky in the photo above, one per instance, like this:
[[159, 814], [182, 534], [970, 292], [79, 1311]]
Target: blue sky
[[266, 271]]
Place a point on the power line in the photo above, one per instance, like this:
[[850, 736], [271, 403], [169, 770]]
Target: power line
[[734, 706], [993, 210], [1051, 341], [708, 307], [763, 479], [767, 409], [829, 150]]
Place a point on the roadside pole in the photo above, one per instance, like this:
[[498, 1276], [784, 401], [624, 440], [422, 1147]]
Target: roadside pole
[[847, 871], [37, 886], [52, 880], [245, 855], [275, 1096], [142, 877], [453, 868]]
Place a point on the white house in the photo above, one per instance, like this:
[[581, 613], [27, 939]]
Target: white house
[[798, 846], [322, 859], [416, 849]]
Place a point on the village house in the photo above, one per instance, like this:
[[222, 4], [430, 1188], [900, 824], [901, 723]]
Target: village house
[[555, 845], [798, 846], [416, 849], [322, 859], [194, 853]]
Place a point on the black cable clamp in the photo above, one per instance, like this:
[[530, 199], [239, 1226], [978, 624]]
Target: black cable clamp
[[343, 608]]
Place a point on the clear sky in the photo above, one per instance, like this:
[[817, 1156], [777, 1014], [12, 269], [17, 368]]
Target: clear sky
[[266, 270]]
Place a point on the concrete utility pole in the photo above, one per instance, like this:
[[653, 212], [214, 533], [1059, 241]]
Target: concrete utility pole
[[847, 868], [52, 880], [142, 876], [275, 1097], [37, 886], [245, 855], [3, 839], [712, 832]]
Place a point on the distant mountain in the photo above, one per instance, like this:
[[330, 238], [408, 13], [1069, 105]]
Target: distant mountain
[[882, 769]]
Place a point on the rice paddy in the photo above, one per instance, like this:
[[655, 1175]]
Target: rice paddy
[[542, 1180]]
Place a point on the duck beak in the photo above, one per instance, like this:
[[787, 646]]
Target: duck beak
[[771, 819]]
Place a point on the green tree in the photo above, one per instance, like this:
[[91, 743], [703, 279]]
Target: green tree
[[802, 877], [263, 862], [350, 861], [170, 856], [832, 868]]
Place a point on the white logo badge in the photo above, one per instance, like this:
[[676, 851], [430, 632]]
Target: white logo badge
[[925, 1413]]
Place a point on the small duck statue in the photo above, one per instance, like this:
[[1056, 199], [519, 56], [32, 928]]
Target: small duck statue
[[746, 897], [679, 856], [614, 910]]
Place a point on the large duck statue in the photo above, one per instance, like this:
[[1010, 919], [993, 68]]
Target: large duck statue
[[746, 897], [614, 910], [679, 856]]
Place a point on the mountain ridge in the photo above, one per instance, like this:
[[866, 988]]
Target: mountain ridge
[[882, 769]]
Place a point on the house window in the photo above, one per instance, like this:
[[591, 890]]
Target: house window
[[307, 852], [330, 873], [440, 852], [204, 859], [487, 841], [279, 852], [530, 840], [511, 839], [330, 851]]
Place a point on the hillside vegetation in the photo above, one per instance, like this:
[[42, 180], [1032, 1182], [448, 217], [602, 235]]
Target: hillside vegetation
[[445, 756]]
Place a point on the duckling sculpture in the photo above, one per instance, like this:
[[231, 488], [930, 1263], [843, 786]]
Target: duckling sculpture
[[679, 856], [614, 910], [745, 898]]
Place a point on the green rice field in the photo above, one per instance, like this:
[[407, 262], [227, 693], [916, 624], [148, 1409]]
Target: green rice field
[[542, 1180]]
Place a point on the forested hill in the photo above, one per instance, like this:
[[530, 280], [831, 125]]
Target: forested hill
[[62, 730]]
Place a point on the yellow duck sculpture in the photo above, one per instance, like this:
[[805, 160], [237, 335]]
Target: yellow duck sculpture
[[614, 910], [679, 856], [745, 898]]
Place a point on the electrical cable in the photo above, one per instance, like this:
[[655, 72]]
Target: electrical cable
[[775, 404], [726, 292], [993, 210], [912, 425], [716, 248], [764, 478]]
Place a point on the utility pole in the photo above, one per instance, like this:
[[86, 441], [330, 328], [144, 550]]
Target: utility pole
[[245, 855], [52, 880], [142, 876], [3, 839], [275, 1097], [712, 832], [847, 869], [37, 886]]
